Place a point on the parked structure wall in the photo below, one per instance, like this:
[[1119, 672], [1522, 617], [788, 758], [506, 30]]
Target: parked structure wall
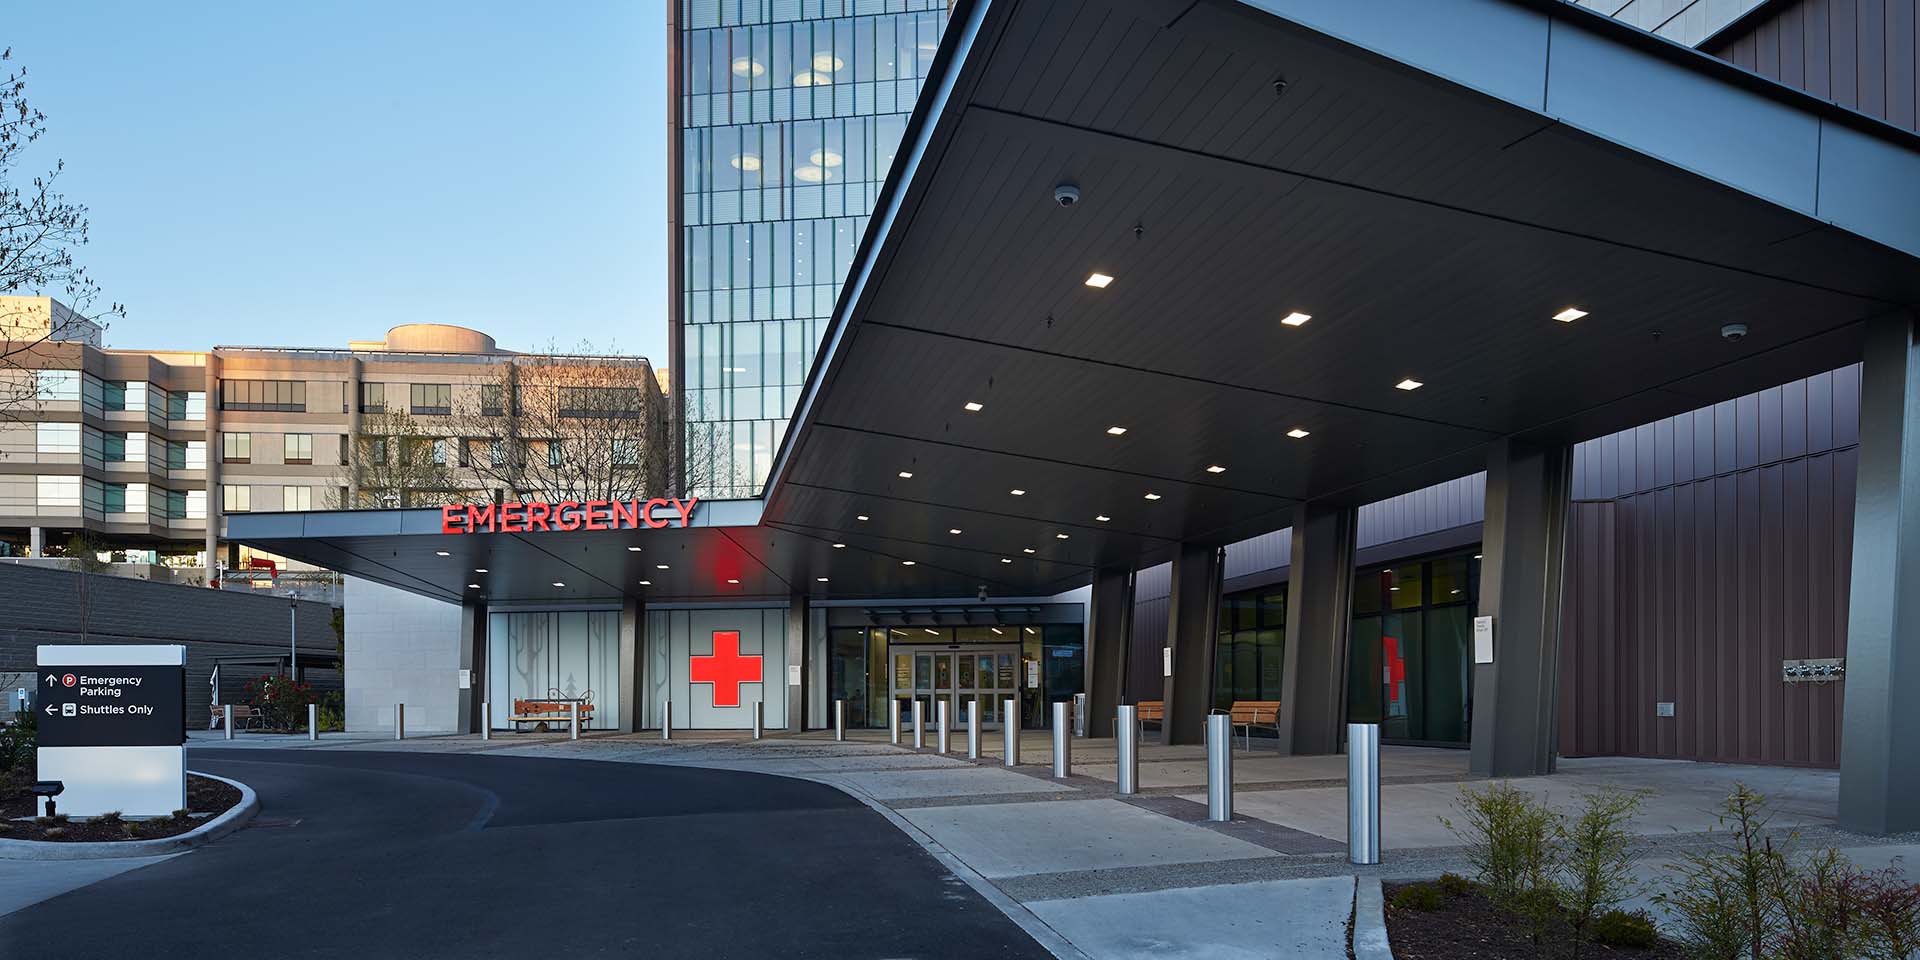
[[401, 648]]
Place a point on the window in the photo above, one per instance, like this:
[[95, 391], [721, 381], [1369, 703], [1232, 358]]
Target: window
[[236, 448], [236, 498], [283, 396], [377, 450], [188, 405], [128, 395], [497, 452], [58, 438], [626, 452], [345, 446], [1411, 654], [1250, 646], [373, 398], [553, 453], [299, 447], [59, 492], [56, 385], [441, 450], [493, 401], [196, 454], [296, 498], [435, 399], [196, 504], [136, 450], [125, 498], [610, 403]]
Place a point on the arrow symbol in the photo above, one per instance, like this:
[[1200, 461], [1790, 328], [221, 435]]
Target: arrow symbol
[[51, 679], [50, 710]]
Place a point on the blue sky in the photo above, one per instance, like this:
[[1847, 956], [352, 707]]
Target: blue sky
[[306, 173]]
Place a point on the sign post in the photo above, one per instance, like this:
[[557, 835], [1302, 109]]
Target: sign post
[[112, 726]]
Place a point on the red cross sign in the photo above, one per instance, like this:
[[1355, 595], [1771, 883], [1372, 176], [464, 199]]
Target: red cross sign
[[725, 668]]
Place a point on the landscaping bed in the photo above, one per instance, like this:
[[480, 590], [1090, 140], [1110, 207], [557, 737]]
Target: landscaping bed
[[1468, 926], [207, 798]]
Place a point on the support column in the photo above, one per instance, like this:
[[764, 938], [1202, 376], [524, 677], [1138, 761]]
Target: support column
[[1515, 720], [799, 611], [36, 541], [633, 657], [1110, 615], [1313, 673], [1192, 610], [1880, 726], [473, 659]]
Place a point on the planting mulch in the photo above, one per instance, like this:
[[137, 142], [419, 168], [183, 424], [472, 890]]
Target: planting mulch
[[206, 798], [1469, 927]]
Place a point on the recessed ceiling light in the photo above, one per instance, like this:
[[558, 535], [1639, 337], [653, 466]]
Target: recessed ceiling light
[[1098, 281], [1296, 319], [1116, 431], [442, 553], [906, 474], [473, 586], [1006, 560], [1026, 549], [955, 531], [633, 549], [1298, 433], [479, 569], [1408, 384], [732, 580], [1153, 496], [1103, 518], [997, 631], [559, 583], [931, 630], [646, 583], [1016, 491], [820, 579], [839, 546], [862, 518], [1060, 536], [1570, 314], [975, 407], [659, 566], [1476, 556], [1216, 468], [1031, 631], [906, 563]]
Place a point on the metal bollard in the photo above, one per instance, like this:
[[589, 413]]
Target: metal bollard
[[973, 729], [839, 719], [1062, 739], [942, 729], [919, 725], [1126, 749], [759, 719], [1363, 793], [226, 718], [1010, 731], [313, 721], [1219, 767], [893, 721], [399, 721], [666, 720], [573, 720], [486, 720]]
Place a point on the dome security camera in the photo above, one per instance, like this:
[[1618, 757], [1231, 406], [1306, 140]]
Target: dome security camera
[[983, 593], [1733, 332], [1066, 194]]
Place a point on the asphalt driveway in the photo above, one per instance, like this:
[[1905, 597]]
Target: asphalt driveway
[[444, 855]]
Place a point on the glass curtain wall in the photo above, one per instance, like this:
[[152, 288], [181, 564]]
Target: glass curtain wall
[[1251, 642], [1051, 665], [791, 113], [556, 655], [1410, 665]]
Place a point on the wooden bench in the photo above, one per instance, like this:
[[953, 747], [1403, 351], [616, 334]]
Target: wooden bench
[[549, 711], [1152, 711], [243, 716], [1254, 713]]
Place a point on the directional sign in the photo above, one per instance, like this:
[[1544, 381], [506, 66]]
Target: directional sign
[[112, 706]]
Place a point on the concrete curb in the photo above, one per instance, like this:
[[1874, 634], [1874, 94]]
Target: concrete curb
[[212, 830], [1370, 921]]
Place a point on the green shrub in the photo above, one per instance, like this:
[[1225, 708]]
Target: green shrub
[[17, 743], [1597, 866], [1509, 837], [130, 828], [1424, 897], [109, 819], [182, 814], [1455, 885], [1726, 900], [1889, 915], [57, 820], [1619, 928]]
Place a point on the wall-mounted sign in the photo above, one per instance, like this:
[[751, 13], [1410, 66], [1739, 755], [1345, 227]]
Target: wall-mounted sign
[[726, 668], [1482, 639], [1033, 674], [112, 726], [567, 515]]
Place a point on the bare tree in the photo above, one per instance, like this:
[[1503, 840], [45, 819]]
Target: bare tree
[[39, 231], [584, 426], [394, 463]]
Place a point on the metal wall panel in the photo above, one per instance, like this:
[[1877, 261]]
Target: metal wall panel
[[1857, 53], [1691, 576]]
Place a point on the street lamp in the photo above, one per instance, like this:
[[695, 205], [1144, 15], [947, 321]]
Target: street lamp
[[293, 631]]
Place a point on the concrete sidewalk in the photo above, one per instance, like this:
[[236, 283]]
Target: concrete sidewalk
[[1147, 875]]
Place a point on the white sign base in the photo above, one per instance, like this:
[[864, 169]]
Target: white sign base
[[136, 781]]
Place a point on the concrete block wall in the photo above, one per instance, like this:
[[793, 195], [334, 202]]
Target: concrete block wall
[[401, 648]]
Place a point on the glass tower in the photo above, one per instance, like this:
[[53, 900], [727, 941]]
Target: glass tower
[[786, 115]]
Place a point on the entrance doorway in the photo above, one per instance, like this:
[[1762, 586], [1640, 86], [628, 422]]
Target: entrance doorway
[[987, 672]]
